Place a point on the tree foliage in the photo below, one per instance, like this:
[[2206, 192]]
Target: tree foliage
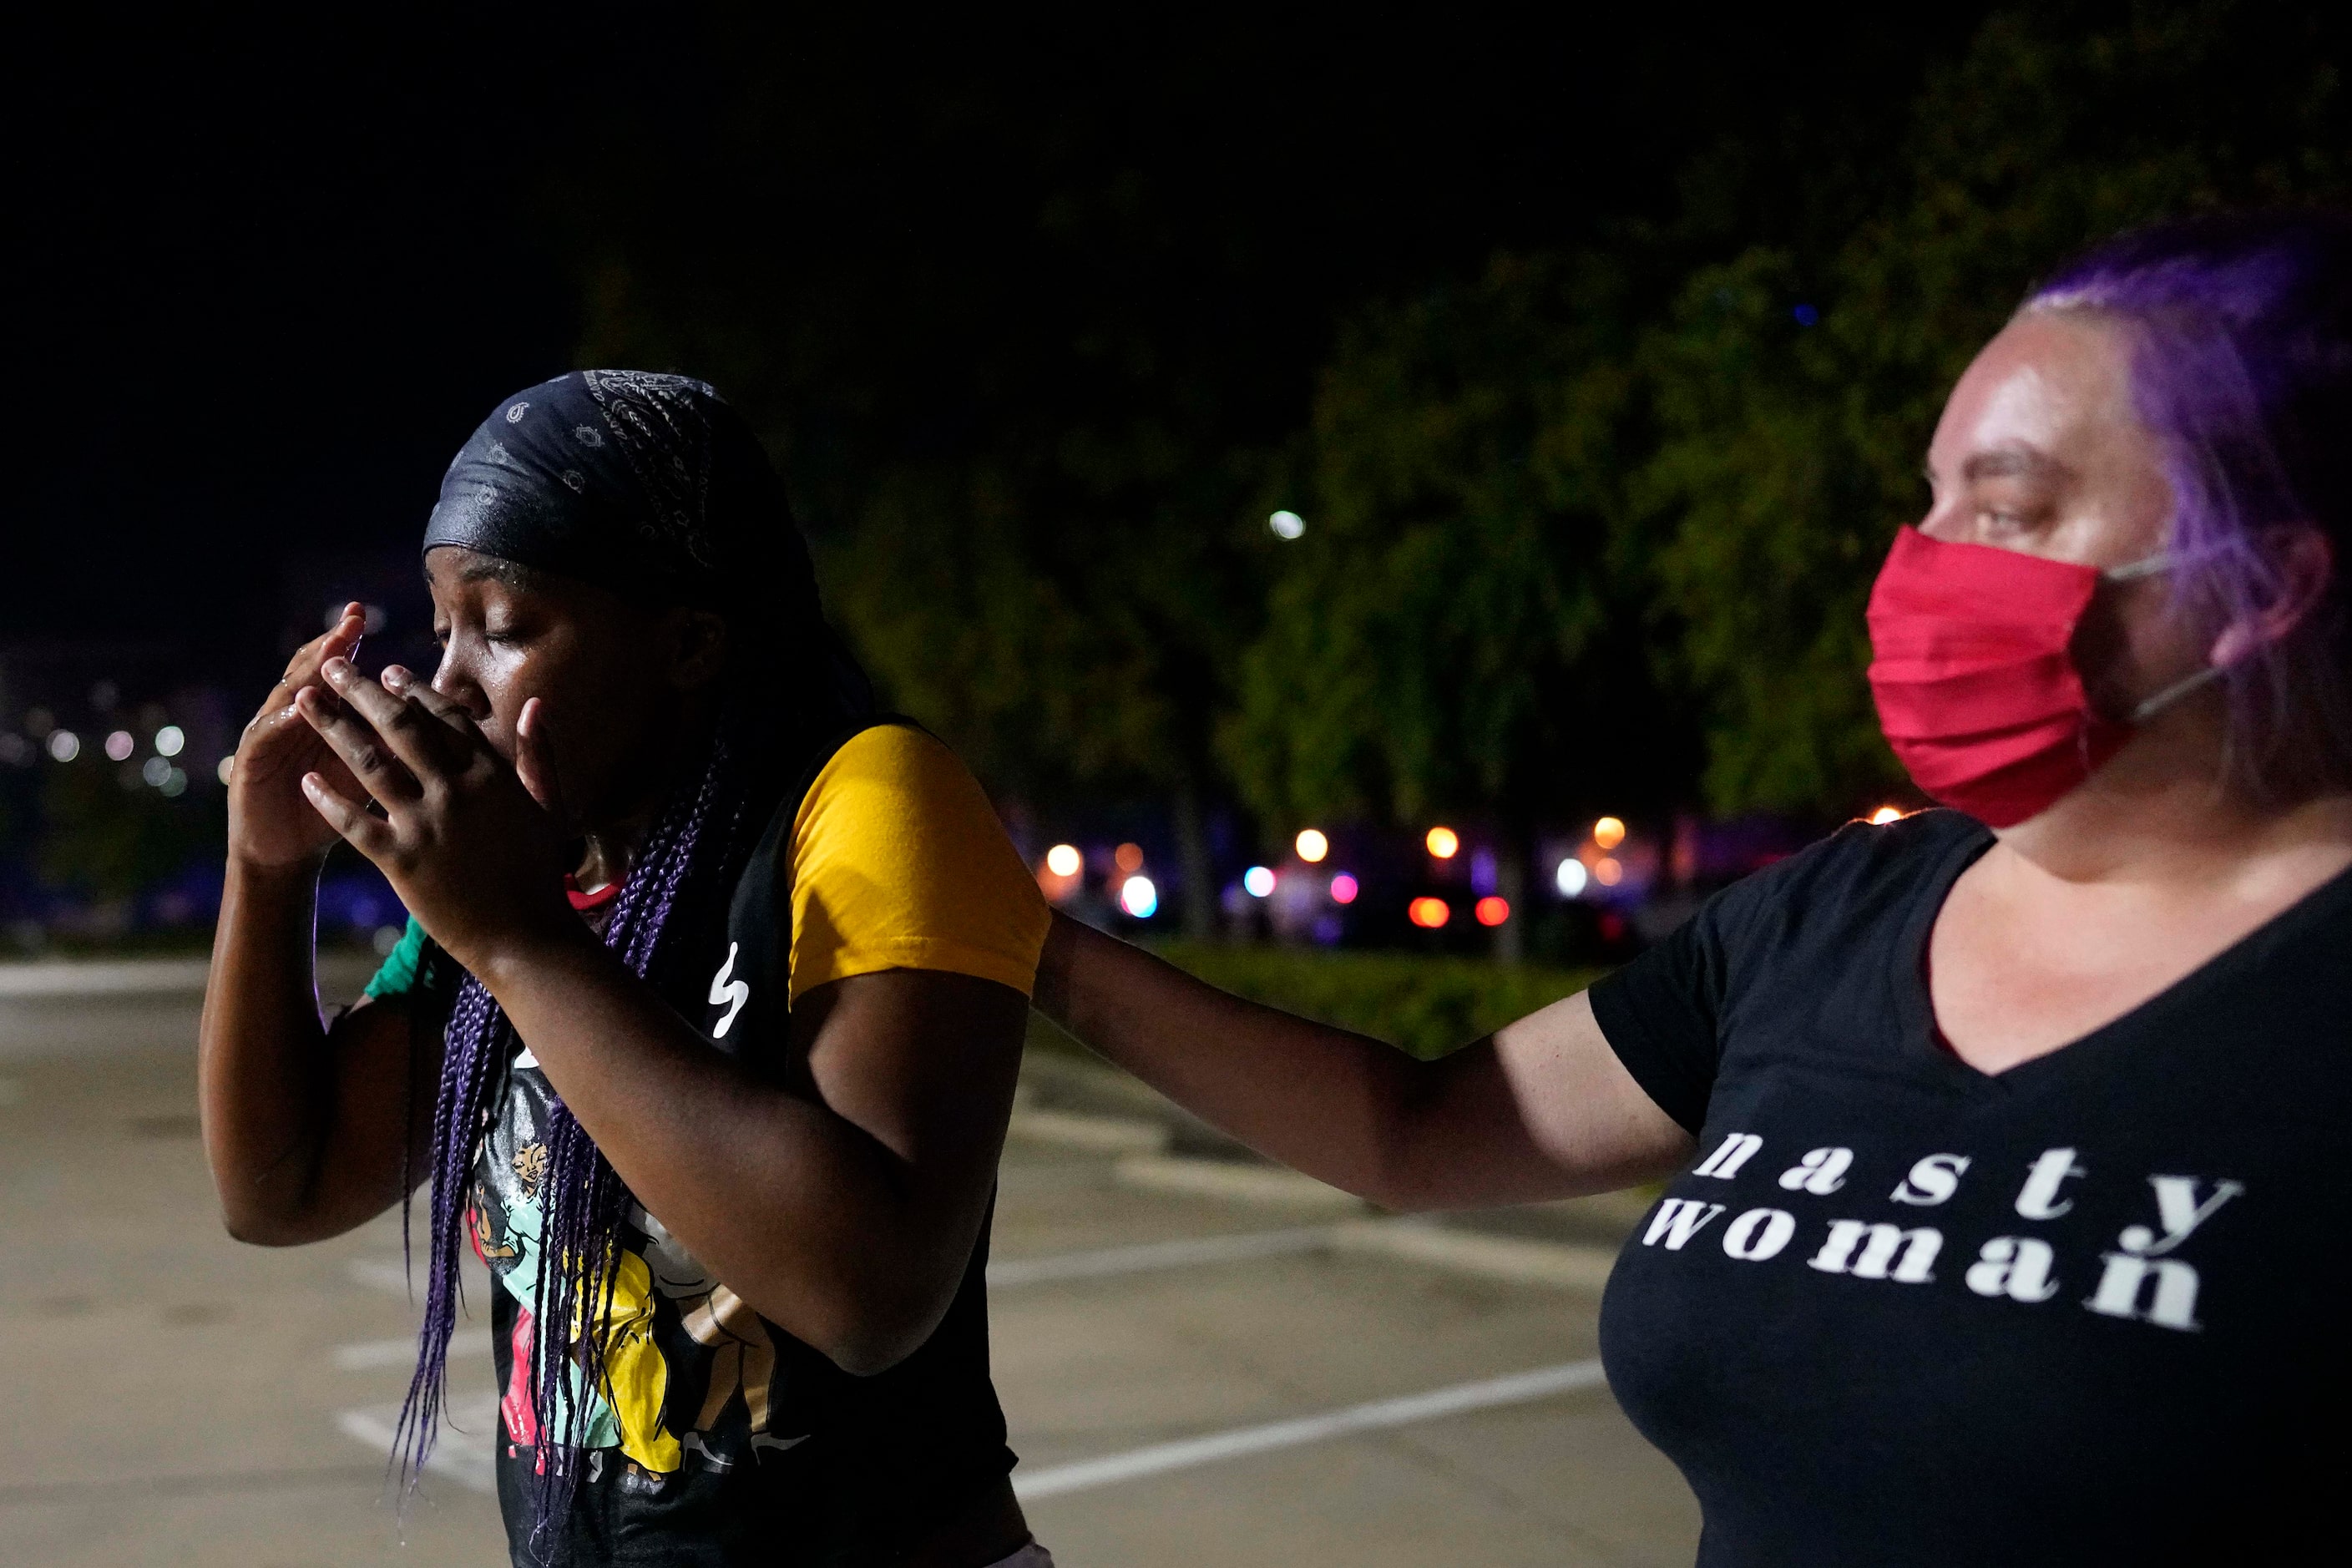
[[1438, 641], [1788, 455], [1521, 477], [1591, 523]]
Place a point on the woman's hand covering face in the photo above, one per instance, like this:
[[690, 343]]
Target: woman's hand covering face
[[270, 828], [474, 851]]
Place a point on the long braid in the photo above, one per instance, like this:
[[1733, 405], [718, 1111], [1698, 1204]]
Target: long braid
[[697, 846]]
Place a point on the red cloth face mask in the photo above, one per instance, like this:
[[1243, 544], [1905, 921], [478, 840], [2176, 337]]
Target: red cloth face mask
[[1975, 678]]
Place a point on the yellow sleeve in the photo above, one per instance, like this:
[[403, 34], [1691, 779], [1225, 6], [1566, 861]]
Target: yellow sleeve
[[900, 862]]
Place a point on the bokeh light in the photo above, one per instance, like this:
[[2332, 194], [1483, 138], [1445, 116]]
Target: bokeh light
[[1609, 833], [117, 746], [1886, 813], [1258, 881], [1344, 889], [155, 771], [64, 745], [1138, 898], [1312, 845], [1429, 913], [1570, 878], [1286, 524], [1608, 873], [227, 766], [169, 739], [1128, 857], [1444, 843], [1492, 911], [1063, 860]]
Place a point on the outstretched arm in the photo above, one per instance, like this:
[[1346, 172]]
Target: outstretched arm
[[1540, 1109]]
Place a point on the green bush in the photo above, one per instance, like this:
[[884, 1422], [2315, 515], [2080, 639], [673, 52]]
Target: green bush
[[1426, 1006]]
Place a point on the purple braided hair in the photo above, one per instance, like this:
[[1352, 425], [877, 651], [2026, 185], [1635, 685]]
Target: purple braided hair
[[693, 850], [705, 521]]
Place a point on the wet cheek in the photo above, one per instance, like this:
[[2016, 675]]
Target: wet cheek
[[506, 699]]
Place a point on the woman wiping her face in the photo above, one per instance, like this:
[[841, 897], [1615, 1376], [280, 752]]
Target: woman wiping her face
[[705, 1026]]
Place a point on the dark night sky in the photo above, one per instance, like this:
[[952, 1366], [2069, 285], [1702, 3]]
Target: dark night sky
[[269, 278]]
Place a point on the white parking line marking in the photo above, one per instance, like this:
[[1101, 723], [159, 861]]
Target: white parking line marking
[[463, 1453], [1518, 1389], [1009, 1273], [135, 977], [381, 1274], [369, 1354]]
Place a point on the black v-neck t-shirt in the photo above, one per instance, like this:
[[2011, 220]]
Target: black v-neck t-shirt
[[2090, 1309]]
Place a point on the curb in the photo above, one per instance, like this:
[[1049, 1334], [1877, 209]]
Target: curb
[[1142, 1162], [133, 977], [339, 976], [1231, 1181], [1093, 1134]]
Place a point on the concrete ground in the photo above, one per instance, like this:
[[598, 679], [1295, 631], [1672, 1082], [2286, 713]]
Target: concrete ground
[[1203, 1362]]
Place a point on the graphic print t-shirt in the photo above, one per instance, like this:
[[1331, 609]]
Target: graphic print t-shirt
[[2090, 1309], [720, 1438]]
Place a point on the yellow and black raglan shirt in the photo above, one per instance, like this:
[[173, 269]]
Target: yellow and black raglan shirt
[[720, 1438]]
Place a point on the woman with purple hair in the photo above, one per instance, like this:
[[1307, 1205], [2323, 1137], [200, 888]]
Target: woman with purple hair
[[2002, 1144], [704, 1029]]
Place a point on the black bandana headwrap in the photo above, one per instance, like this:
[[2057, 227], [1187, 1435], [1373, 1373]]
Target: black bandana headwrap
[[652, 486]]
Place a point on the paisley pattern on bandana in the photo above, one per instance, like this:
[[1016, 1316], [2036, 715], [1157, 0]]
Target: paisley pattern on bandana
[[652, 486], [645, 483]]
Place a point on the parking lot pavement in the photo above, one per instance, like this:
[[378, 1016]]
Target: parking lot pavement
[[1191, 1378]]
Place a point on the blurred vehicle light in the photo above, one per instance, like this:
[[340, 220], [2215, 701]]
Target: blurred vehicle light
[[1138, 898]]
